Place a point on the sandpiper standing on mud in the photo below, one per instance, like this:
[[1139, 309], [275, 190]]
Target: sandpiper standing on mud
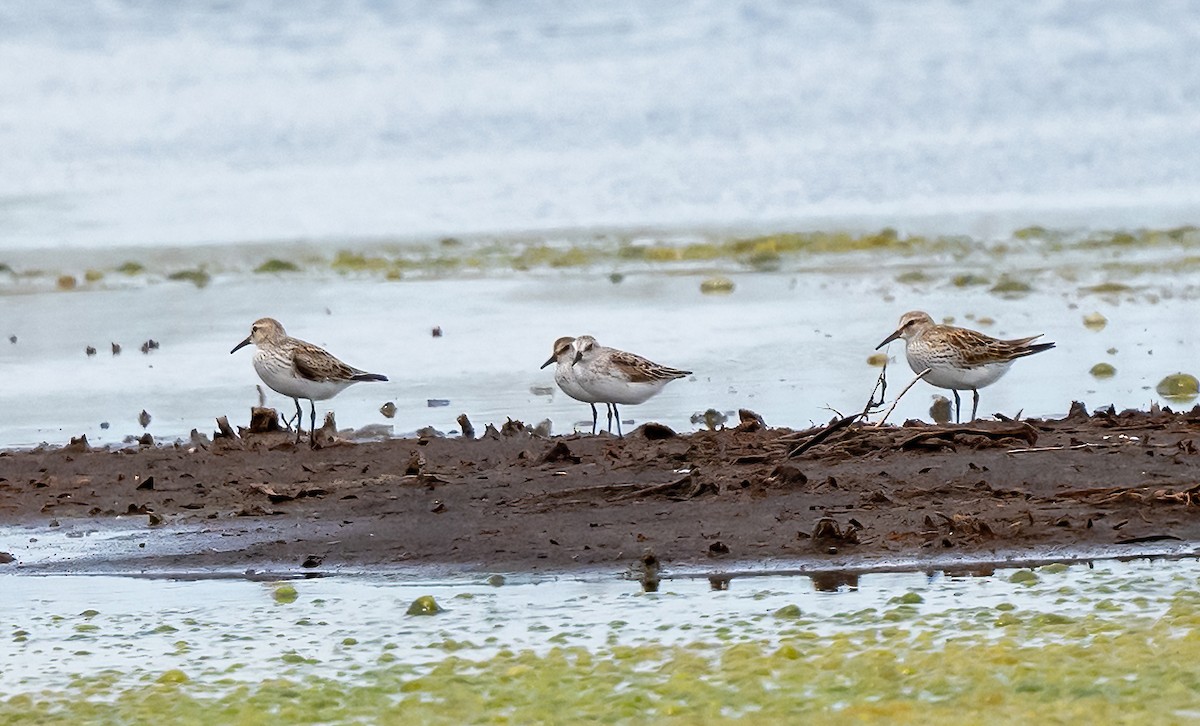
[[563, 356], [298, 369], [958, 358], [615, 377]]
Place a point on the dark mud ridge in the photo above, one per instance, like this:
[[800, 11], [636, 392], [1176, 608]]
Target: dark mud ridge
[[511, 500]]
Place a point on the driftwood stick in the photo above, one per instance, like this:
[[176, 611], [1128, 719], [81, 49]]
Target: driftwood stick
[[1022, 431], [911, 383], [1039, 449], [594, 489], [881, 388], [654, 489], [824, 434]]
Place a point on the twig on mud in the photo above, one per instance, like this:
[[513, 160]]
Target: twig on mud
[[881, 388], [594, 489], [1038, 449], [911, 383], [823, 434], [1022, 431], [1125, 441], [842, 422], [693, 489]]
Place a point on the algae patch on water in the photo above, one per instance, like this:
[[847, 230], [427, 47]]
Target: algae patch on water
[[1181, 387], [718, 285], [424, 605], [976, 664], [1103, 370], [276, 265], [1094, 321], [198, 277]]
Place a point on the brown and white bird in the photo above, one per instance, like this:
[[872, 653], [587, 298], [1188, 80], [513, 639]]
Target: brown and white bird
[[563, 356], [958, 358], [615, 377], [299, 369]]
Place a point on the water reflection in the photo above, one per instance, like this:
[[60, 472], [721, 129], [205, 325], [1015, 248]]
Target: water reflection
[[834, 580]]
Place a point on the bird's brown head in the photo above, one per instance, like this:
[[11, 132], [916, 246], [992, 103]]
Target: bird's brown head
[[562, 347], [911, 324], [263, 331]]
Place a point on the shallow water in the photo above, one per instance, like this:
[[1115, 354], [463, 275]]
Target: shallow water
[[791, 344], [111, 640]]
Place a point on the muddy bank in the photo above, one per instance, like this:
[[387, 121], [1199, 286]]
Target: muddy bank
[[513, 500]]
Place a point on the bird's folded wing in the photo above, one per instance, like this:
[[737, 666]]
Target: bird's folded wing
[[316, 364], [641, 370]]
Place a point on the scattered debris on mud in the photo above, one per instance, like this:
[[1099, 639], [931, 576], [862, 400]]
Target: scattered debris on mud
[[514, 498]]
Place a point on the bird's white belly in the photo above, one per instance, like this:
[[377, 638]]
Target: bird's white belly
[[610, 389], [284, 380], [944, 374], [564, 376]]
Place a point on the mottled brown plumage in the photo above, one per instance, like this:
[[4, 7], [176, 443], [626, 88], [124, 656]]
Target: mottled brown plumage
[[299, 369], [958, 358]]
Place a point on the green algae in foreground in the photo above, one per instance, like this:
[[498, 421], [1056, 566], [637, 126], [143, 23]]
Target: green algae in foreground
[[990, 665]]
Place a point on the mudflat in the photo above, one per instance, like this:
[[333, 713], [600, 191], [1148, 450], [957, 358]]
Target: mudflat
[[512, 500]]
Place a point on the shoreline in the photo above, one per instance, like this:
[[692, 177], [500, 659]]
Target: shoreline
[[728, 501]]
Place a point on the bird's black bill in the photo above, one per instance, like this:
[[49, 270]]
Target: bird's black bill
[[888, 339], [575, 360], [551, 360], [241, 345]]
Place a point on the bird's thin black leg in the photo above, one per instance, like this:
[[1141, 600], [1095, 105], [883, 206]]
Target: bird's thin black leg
[[608, 407], [618, 415], [299, 420], [957, 407], [975, 406], [595, 417], [312, 424]]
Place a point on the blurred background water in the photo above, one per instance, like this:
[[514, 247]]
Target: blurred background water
[[149, 123], [214, 135]]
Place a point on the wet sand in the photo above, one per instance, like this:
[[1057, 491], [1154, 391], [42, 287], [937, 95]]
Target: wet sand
[[513, 501]]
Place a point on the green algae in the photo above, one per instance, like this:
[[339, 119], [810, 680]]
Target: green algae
[[969, 280], [197, 276], [1120, 669], [276, 266], [424, 605], [285, 594], [1008, 287], [1023, 577], [718, 285], [913, 277], [708, 252], [1178, 387], [1103, 370], [347, 261], [1094, 321], [1106, 288]]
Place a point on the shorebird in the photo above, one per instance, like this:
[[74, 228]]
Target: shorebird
[[563, 356], [298, 369], [958, 358], [615, 377]]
